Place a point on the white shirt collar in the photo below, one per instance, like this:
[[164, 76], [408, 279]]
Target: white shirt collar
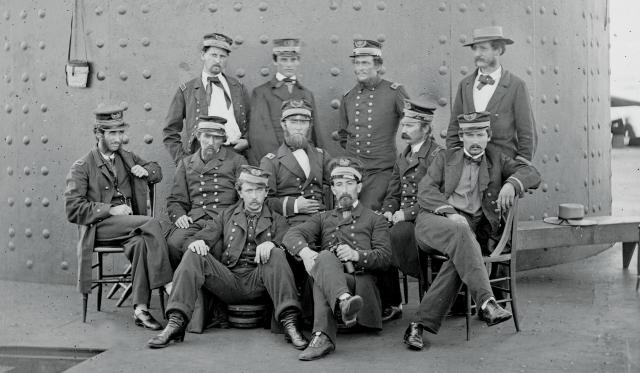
[[281, 77], [475, 157], [494, 75], [416, 147]]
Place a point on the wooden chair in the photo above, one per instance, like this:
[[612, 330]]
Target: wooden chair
[[119, 280], [504, 254]]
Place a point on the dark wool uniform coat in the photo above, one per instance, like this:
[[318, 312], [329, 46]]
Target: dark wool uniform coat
[[288, 181], [265, 134], [444, 175], [366, 232], [204, 189], [512, 124], [189, 102], [89, 191]]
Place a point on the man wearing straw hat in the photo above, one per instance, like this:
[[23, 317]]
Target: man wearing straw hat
[[496, 90], [462, 197], [211, 93], [265, 134]]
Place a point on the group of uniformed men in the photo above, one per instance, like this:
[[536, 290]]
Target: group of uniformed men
[[243, 230]]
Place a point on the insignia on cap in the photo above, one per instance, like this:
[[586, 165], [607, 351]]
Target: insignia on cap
[[289, 43], [407, 105], [344, 162], [116, 115], [297, 103], [359, 43], [255, 171], [470, 116]]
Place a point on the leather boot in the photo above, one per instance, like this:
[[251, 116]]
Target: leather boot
[[349, 309], [493, 314], [413, 336], [292, 334], [320, 346], [174, 331]]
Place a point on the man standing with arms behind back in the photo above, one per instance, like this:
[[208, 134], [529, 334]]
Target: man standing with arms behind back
[[498, 91], [212, 93]]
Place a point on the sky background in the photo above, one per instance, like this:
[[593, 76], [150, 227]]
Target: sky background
[[625, 48]]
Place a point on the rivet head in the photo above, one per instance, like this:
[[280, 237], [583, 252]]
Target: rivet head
[[26, 171], [545, 187], [122, 10], [147, 106], [462, 8], [212, 8], [335, 71], [333, 5], [11, 246], [24, 45], [45, 202], [145, 41], [23, 14], [101, 75], [27, 202], [144, 8], [462, 39], [29, 263], [544, 129], [263, 6], [125, 139], [9, 170], [124, 104], [464, 70], [46, 233], [98, 10], [443, 101], [443, 70], [148, 139], [25, 108], [11, 201], [240, 73], [381, 38], [237, 6], [264, 71], [43, 76], [41, 44], [146, 74], [6, 15], [8, 108], [357, 5], [482, 7], [442, 39], [545, 158], [122, 42], [334, 38], [28, 233], [238, 40], [543, 99], [12, 232], [557, 157], [335, 103], [99, 43], [8, 140], [264, 39], [25, 77], [7, 46], [26, 140], [528, 10], [64, 265], [123, 76]]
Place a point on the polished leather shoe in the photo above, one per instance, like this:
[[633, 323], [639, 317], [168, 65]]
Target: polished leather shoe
[[291, 332], [349, 309], [493, 314], [145, 319], [413, 336], [391, 313], [174, 331], [319, 346]]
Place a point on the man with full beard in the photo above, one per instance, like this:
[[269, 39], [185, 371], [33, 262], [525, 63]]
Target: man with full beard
[[351, 244], [106, 195], [498, 91], [298, 170], [203, 186]]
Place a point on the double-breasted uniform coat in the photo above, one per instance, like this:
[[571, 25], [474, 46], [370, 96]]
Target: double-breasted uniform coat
[[188, 104], [90, 190], [366, 232], [201, 191], [371, 115], [265, 134]]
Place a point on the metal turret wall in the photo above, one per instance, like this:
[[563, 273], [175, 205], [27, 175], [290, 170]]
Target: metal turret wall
[[141, 51]]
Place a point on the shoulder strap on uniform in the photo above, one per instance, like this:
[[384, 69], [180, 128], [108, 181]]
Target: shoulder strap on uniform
[[270, 156], [320, 150], [395, 85], [183, 87]]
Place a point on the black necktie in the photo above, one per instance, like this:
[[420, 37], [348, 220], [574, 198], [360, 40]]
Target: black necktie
[[289, 80], [484, 80], [215, 80], [470, 159]]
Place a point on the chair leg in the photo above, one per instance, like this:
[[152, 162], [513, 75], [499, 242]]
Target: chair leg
[[405, 287], [117, 286], [85, 298], [512, 294], [100, 273], [467, 297], [125, 295], [161, 293]]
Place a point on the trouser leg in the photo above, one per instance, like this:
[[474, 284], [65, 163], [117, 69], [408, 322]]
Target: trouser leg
[[178, 240], [276, 277], [374, 188], [194, 272], [389, 286], [403, 248]]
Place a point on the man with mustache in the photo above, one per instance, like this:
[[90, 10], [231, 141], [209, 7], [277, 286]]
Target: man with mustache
[[265, 132], [498, 91], [400, 205], [106, 195], [351, 243], [203, 186], [250, 266], [462, 198], [212, 93]]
